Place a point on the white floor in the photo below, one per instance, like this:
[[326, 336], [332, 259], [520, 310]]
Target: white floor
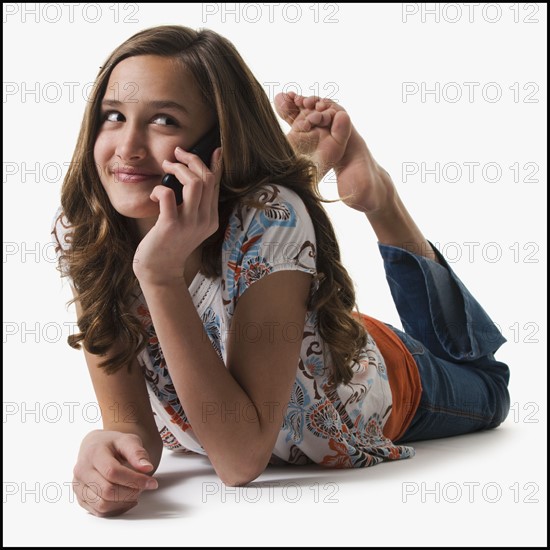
[[486, 489]]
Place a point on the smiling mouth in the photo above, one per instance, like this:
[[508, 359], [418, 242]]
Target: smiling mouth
[[133, 176]]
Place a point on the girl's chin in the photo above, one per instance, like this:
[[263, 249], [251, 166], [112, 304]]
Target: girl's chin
[[138, 210]]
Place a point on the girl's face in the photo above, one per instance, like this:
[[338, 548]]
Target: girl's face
[[151, 105]]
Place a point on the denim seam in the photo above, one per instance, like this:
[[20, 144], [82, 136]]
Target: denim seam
[[454, 412]]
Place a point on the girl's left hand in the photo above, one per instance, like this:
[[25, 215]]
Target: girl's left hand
[[161, 255]]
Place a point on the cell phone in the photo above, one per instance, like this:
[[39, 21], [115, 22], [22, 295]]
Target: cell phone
[[204, 148]]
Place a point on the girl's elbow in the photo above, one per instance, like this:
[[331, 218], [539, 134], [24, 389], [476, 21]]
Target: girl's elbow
[[242, 475], [238, 480]]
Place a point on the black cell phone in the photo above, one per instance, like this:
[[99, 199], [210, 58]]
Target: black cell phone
[[204, 148]]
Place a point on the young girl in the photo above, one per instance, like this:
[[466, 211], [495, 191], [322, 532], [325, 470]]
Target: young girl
[[226, 325]]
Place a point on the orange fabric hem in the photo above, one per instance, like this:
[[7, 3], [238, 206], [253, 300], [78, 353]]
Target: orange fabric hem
[[403, 376]]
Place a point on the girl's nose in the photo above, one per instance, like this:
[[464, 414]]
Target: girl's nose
[[131, 145]]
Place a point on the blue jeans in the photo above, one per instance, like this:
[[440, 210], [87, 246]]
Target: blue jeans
[[453, 341]]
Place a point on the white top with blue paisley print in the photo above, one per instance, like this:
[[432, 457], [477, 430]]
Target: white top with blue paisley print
[[335, 427]]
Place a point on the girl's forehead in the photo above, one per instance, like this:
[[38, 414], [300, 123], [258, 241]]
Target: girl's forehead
[[150, 69], [150, 77]]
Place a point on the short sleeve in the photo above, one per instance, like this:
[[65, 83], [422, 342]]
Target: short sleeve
[[61, 238], [259, 242]]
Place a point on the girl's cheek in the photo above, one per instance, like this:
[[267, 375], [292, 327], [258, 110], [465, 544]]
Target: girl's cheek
[[101, 148]]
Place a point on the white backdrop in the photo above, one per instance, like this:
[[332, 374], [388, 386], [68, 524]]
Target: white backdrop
[[451, 99]]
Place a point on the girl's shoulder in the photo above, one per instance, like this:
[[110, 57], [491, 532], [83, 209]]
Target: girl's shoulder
[[272, 206], [270, 194], [277, 234]]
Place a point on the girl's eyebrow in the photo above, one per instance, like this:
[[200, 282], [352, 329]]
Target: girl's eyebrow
[[163, 104]]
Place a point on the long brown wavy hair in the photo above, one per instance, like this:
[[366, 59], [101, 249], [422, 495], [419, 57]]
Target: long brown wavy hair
[[256, 152]]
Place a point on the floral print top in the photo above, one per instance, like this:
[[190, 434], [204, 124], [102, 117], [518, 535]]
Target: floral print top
[[335, 427]]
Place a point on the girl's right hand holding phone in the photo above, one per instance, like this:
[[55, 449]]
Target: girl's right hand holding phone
[[111, 472]]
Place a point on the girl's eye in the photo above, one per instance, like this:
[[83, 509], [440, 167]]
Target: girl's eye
[[165, 120], [113, 116], [161, 120]]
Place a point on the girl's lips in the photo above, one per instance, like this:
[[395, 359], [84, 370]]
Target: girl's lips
[[133, 177]]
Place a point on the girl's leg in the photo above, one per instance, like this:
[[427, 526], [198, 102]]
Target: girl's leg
[[457, 398], [450, 335], [436, 308], [453, 341]]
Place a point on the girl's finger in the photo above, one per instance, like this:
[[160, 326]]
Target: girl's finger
[[192, 185], [96, 489], [192, 162], [166, 199], [211, 192], [216, 163], [168, 209], [192, 196]]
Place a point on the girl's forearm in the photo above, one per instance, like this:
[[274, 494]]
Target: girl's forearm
[[221, 414]]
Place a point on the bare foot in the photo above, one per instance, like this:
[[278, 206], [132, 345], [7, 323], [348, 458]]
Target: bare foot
[[321, 134], [323, 130]]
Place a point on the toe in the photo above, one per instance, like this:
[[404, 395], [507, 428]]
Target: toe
[[286, 107], [310, 101]]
